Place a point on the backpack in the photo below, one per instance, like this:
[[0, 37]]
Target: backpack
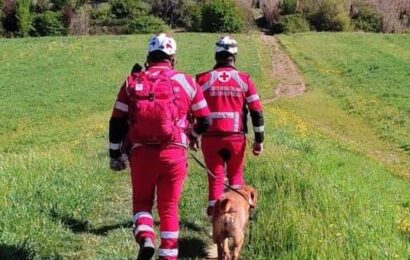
[[153, 109]]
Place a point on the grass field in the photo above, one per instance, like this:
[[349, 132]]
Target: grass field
[[327, 180]]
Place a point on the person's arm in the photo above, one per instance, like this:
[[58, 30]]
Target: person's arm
[[118, 128], [256, 112], [200, 111]]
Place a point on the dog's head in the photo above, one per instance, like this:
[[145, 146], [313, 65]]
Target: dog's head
[[251, 194]]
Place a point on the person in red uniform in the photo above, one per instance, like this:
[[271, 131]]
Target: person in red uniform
[[230, 95], [150, 113]]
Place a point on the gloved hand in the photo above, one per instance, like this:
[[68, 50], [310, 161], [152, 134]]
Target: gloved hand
[[194, 144], [257, 148], [118, 164]]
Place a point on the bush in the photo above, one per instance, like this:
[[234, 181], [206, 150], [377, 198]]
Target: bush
[[366, 18], [102, 13], [23, 17], [329, 16], [293, 23], [193, 17], [9, 20], [172, 12], [40, 6], [222, 16], [48, 23], [146, 24], [288, 7], [128, 8]]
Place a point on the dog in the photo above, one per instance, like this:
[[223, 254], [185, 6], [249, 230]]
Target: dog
[[231, 213]]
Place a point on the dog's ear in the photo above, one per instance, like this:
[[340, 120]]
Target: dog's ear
[[253, 196]]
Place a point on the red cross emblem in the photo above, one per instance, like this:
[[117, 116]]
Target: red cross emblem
[[224, 77]]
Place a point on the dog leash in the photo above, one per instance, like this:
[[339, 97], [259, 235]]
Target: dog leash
[[213, 176]]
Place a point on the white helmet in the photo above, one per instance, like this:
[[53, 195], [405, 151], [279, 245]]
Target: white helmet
[[162, 42], [227, 44]]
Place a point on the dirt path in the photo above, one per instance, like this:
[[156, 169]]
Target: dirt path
[[290, 81]]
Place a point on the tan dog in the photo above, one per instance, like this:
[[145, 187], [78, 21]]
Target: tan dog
[[231, 213]]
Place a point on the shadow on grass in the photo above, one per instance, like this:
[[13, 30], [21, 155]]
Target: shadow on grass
[[15, 252], [191, 248], [190, 226], [84, 226]]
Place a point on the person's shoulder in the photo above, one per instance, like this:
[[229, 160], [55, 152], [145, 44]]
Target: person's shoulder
[[203, 75], [183, 77], [243, 73], [182, 74]]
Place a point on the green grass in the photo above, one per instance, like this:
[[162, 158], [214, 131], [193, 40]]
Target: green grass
[[369, 74], [324, 193]]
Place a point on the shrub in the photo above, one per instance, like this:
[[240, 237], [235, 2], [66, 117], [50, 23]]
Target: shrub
[[102, 13], [222, 16], [293, 23], [288, 7], [48, 23], [9, 20], [172, 12], [366, 18], [193, 17], [23, 16], [40, 6], [329, 16], [146, 24], [128, 8]]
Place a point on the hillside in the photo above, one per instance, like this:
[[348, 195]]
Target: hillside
[[328, 179]]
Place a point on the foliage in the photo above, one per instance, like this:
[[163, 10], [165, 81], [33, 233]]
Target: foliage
[[102, 13], [48, 23], [172, 12], [8, 19], [366, 19], [74, 4], [192, 19], [329, 16], [222, 16], [288, 7], [23, 16], [40, 6], [146, 24], [128, 8], [292, 23]]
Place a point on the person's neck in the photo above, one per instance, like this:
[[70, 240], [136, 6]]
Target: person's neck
[[229, 64], [161, 63]]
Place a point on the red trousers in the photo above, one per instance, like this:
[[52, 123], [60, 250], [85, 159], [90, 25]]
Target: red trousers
[[223, 153], [160, 170]]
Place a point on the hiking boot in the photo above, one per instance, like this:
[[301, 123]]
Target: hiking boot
[[147, 249]]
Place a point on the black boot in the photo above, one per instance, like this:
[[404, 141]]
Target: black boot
[[147, 249]]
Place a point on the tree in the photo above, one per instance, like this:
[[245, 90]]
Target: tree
[[23, 17]]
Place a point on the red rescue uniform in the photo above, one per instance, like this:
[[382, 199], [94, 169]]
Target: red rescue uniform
[[159, 168], [230, 95]]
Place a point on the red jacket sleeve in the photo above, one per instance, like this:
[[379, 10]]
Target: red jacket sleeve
[[255, 108], [199, 109], [118, 126]]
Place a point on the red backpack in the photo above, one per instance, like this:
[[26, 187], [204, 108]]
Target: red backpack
[[153, 108]]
